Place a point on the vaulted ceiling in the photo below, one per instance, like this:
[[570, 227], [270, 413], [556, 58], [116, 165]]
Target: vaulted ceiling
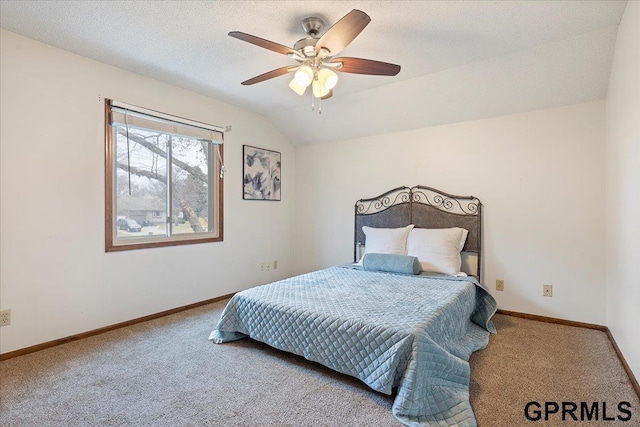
[[461, 60]]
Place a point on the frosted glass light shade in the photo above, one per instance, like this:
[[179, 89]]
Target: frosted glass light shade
[[296, 87], [319, 90], [304, 76], [328, 78]]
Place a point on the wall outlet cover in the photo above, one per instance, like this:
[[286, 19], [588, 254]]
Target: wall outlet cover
[[5, 317]]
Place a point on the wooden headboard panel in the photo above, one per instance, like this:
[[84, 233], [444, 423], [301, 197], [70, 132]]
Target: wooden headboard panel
[[425, 207]]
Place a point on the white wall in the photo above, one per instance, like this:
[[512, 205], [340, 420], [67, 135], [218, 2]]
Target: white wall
[[623, 189], [56, 277], [540, 176]]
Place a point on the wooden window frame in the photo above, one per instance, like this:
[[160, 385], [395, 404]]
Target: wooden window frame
[[217, 210]]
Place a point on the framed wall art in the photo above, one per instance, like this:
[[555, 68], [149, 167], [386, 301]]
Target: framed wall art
[[261, 170]]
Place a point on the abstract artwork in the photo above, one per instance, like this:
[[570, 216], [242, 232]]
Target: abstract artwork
[[261, 170]]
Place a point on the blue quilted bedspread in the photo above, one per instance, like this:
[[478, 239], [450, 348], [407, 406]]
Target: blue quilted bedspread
[[415, 333]]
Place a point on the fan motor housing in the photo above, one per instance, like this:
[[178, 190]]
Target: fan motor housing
[[306, 46]]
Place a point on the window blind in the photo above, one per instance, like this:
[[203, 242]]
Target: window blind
[[126, 115]]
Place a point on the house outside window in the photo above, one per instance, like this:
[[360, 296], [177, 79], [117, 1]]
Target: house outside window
[[163, 179]]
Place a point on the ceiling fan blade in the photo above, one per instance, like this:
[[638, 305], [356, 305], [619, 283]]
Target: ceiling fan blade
[[262, 42], [269, 75], [343, 32], [366, 66]]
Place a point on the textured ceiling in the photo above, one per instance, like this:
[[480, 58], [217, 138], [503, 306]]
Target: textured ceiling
[[460, 60]]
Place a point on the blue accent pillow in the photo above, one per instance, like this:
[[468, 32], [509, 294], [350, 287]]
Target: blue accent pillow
[[392, 263]]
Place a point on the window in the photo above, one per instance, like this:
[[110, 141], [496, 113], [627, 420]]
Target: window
[[163, 179]]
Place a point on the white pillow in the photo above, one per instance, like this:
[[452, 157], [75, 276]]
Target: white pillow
[[386, 240], [437, 249]]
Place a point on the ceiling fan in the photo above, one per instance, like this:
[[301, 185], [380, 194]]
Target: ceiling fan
[[316, 56]]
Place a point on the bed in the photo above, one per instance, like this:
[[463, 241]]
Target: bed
[[408, 334]]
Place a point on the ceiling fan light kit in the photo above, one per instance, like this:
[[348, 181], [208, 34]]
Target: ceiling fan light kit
[[327, 78], [319, 90], [316, 56], [304, 76], [297, 88]]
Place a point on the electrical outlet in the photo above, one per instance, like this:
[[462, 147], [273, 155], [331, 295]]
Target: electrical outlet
[[5, 317], [262, 266], [499, 285], [275, 264], [268, 266], [547, 290]]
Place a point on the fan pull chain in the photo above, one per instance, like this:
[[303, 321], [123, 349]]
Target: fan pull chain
[[320, 106], [313, 107]]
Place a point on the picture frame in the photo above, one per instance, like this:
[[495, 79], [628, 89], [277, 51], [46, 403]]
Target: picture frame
[[261, 171]]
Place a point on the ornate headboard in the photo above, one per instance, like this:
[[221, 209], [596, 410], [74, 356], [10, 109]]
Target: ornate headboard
[[424, 207]]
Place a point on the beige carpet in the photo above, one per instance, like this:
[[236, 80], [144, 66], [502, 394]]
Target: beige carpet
[[542, 362], [165, 373]]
